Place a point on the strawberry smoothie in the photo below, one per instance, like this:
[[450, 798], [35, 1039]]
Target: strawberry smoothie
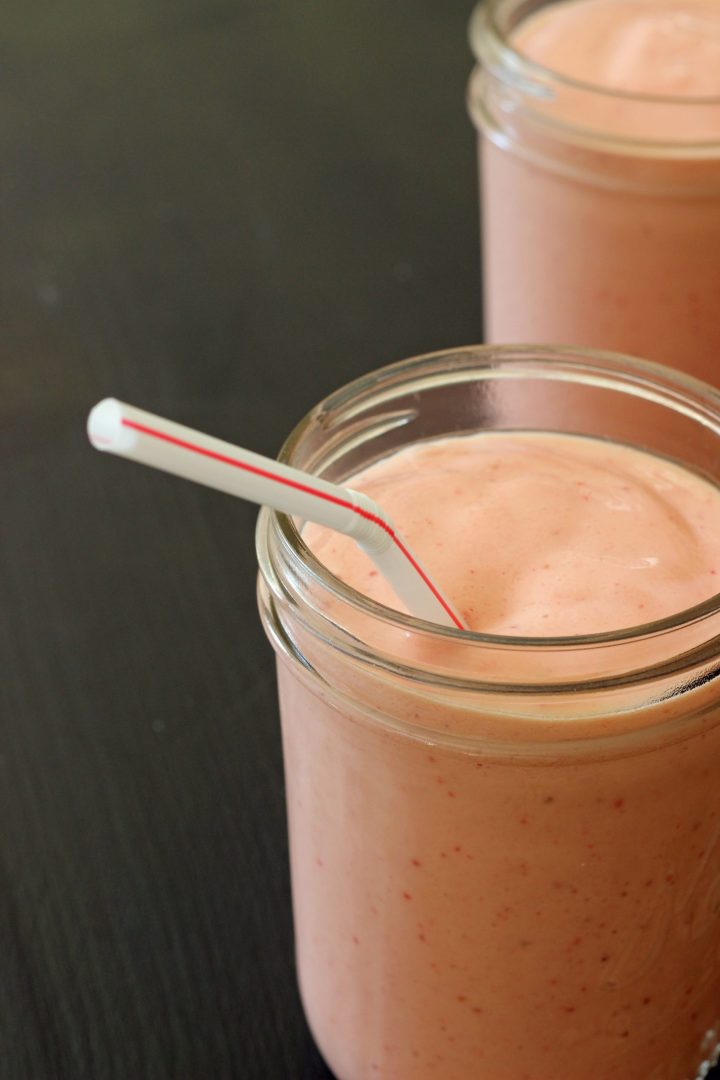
[[600, 175], [505, 847]]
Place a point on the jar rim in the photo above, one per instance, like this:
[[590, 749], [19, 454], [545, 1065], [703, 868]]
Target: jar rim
[[485, 17], [642, 378]]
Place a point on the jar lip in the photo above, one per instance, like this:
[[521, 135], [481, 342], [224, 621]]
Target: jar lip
[[685, 388], [485, 19]]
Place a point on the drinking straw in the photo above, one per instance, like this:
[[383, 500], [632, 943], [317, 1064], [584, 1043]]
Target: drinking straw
[[121, 429]]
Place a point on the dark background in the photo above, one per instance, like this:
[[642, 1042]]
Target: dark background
[[218, 211]]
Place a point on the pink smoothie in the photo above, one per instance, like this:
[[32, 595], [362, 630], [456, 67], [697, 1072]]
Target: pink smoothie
[[601, 206], [489, 902]]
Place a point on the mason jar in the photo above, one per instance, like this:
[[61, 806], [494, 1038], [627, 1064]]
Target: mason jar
[[600, 209], [505, 850]]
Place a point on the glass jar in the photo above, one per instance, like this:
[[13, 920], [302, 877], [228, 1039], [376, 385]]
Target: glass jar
[[600, 209], [505, 851]]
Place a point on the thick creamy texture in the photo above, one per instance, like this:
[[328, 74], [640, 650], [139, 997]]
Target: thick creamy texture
[[535, 534], [494, 911], [601, 210]]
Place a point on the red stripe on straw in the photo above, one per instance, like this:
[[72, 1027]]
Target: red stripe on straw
[[298, 486]]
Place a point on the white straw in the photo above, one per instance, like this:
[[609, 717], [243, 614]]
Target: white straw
[[132, 433]]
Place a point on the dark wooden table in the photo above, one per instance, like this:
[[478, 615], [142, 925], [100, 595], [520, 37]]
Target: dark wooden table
[[219, 210]]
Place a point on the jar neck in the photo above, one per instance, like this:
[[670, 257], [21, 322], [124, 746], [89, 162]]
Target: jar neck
[[472, 693], [520, 105]]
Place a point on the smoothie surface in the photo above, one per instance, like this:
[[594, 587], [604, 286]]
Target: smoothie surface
[[541, 535], [652, 47]]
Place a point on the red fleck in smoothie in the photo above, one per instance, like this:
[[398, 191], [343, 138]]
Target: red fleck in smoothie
[[600, 175], [505, 846]]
